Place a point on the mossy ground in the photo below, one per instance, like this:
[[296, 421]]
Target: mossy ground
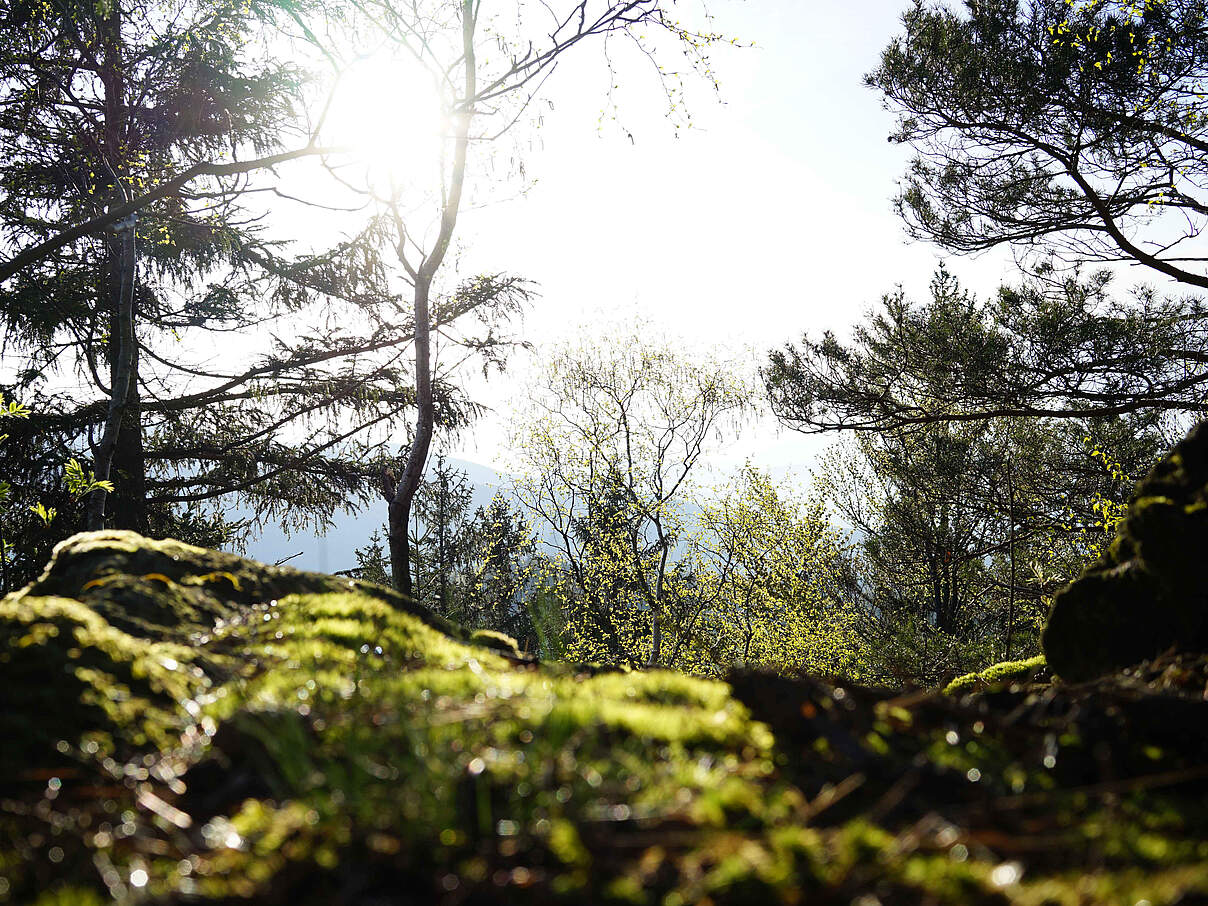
[[182, 726]]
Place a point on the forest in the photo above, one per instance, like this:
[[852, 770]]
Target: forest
[[959, 656]]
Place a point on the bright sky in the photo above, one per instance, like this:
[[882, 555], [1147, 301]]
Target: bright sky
[[771, 218]]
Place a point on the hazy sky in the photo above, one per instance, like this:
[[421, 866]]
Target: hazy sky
[[770, 217]]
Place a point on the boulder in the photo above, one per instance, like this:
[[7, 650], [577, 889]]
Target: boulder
[[1148, 592]]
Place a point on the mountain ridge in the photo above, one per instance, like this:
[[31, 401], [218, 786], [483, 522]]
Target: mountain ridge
[[335, 550]]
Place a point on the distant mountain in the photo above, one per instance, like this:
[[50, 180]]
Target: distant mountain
[[336, 550]]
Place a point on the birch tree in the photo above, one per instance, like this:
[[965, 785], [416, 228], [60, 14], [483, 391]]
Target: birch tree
[[608, 454]]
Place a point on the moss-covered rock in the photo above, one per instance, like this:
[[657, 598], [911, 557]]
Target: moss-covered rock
[[1031, 670], [183, 726], [1149, 591]]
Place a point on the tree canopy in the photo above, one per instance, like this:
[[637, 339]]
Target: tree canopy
[[608, 454], [189, 351], [1056, 126], [1051, 348], [115, 328]]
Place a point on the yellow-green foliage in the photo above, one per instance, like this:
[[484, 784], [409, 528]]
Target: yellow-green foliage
[[1106, 32], [775, 573], [609, 456]]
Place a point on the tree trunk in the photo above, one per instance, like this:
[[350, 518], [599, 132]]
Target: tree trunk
[[656, 635], [417, 456], [3, 563], [421, 441], [118, 289], [128, 508], [1011, 598], [121, 372], [937, 605]]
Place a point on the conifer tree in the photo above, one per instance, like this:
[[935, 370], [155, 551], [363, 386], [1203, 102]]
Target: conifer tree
[[185, 351]]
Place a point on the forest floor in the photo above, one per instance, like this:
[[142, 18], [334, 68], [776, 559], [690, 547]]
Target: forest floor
[[183, 726]]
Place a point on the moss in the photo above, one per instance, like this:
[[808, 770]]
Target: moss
[[175, 585], [488, 638], [1030, 670], [69, 674], [1147, 593], [247, 733], [70, 896]]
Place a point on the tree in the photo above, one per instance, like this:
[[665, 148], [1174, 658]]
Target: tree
[[504, 579], [483, 94], [1046, 349], [92, 113], [99, 101], [481, 570], [1071, 130], [132, 107], [971, 479], [919, 503], [967, 529], [1076, 127], [440, 536], [8, 410], [76, 484], [776, 584], [616, 430]]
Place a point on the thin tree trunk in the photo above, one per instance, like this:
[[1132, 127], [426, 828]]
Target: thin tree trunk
[[656, 636], [937, 587], [413, 472], [121, 375], [923, 662], [442, 522], [128, 505], [119, 286], [3, 561], [1011, 598], [400, 506]]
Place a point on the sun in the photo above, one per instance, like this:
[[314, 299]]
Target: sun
[[390, 113]]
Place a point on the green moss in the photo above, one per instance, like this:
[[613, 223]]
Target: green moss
[[69, 674], [488, 638], [1004, 673], [247, 733], [70, 896]]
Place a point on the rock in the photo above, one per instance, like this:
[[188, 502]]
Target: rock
[[184, 726], [1148, 592]]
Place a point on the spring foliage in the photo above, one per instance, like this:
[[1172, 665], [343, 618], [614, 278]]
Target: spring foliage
[[649, 565]]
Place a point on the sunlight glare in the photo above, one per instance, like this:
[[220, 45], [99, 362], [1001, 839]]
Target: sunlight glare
[[390, 112]]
